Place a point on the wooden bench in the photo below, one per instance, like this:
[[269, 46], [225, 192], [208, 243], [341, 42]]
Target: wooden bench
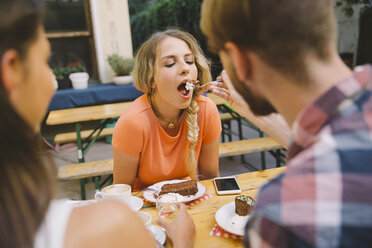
[[240, 147], [105, 167]]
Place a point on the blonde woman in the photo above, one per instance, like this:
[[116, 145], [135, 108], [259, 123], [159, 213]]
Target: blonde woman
[[169, 132]]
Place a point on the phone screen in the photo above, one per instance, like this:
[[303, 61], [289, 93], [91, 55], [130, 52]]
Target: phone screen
[[226, 184]]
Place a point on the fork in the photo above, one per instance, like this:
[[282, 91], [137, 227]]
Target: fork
[[202, 86], [146, 189]]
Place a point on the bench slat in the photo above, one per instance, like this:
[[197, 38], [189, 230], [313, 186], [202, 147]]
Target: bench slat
[[105, 167], [69, 137], [234, 148], [84, 170], [226, 117]]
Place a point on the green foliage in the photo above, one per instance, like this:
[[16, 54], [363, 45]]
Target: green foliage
[[63, 72], [184, 14], [137, 6], [120, 65], [347, 5]]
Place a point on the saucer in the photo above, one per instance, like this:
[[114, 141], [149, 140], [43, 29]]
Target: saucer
[[158, 234], [135, 203]]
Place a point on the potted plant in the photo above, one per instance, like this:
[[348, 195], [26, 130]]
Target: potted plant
[[79, 77], [122, 68], [62, 75]]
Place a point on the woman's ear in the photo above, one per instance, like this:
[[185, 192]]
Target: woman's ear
[[240, 59], [10, 71]]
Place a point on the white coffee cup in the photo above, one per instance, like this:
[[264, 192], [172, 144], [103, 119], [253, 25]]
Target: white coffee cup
[[146, 219], [122, 192]]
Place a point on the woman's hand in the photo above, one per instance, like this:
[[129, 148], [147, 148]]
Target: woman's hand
[[182, 230]]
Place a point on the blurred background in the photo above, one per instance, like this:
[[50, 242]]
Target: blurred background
[[85, 32]]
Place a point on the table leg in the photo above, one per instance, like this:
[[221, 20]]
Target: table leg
[[80, 152], [81, 159], [82, 189]]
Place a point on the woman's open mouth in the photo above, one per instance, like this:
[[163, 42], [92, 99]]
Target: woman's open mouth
[[185, 89]]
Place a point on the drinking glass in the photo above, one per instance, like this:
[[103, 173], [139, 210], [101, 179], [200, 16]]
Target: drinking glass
[[166, 205]]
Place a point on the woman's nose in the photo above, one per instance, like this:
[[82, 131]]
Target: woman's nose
[[185, 68]]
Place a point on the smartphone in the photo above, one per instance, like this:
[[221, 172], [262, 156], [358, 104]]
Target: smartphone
[[226, 185]]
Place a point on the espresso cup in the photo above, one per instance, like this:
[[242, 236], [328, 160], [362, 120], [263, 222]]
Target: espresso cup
[[122, 192], [146, 219]]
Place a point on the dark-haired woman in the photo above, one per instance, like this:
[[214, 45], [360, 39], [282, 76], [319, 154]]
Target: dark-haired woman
[[29, 217]]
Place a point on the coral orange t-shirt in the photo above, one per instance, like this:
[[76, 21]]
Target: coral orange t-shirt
[[161, 157]]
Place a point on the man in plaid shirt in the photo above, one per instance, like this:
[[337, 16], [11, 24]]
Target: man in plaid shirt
[[282, 57]]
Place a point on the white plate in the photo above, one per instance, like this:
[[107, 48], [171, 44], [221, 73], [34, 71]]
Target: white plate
[[158, 234], [149, 194], [223, 218], [135, 203]]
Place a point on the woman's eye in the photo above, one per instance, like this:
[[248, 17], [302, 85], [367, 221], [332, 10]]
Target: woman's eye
[[169, 65], [190, 62]]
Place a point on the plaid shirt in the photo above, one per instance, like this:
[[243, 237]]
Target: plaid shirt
[[324, 198]]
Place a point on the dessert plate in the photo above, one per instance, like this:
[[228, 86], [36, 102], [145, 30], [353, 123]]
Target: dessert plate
[[158, 234], [148, 193], [224, 217]]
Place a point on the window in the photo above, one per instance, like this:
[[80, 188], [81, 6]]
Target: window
[[69, 30]]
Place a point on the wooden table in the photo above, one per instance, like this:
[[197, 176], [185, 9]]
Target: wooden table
[[98, 112], [77, 115], [203, 213], [90, 113]]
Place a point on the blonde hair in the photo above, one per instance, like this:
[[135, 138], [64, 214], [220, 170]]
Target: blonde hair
[[143, 74]]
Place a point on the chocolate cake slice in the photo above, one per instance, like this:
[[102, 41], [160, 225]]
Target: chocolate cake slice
[[243, 205], [189, 187]]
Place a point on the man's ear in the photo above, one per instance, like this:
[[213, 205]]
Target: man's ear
[[240, 59], [10, 71]]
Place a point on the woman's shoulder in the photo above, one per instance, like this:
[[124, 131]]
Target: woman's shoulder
[[138, 106], [51, 232], [92, 222], [136, 117]]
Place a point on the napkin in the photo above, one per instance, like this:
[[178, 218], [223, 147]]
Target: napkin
[[219, 232]]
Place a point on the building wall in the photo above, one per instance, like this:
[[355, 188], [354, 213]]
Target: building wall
[[348, 32], [112, 34]]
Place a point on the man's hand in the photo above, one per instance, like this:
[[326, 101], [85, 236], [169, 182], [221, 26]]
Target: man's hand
[[224, 88], [182, 230]]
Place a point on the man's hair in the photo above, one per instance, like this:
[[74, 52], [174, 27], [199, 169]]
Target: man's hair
[[281, 32]]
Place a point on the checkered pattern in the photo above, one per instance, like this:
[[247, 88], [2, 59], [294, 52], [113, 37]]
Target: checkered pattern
[[324, 198], [219, 232]]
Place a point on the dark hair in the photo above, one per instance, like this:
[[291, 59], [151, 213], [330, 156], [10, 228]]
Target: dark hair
[[26, 176], [281, 32]]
